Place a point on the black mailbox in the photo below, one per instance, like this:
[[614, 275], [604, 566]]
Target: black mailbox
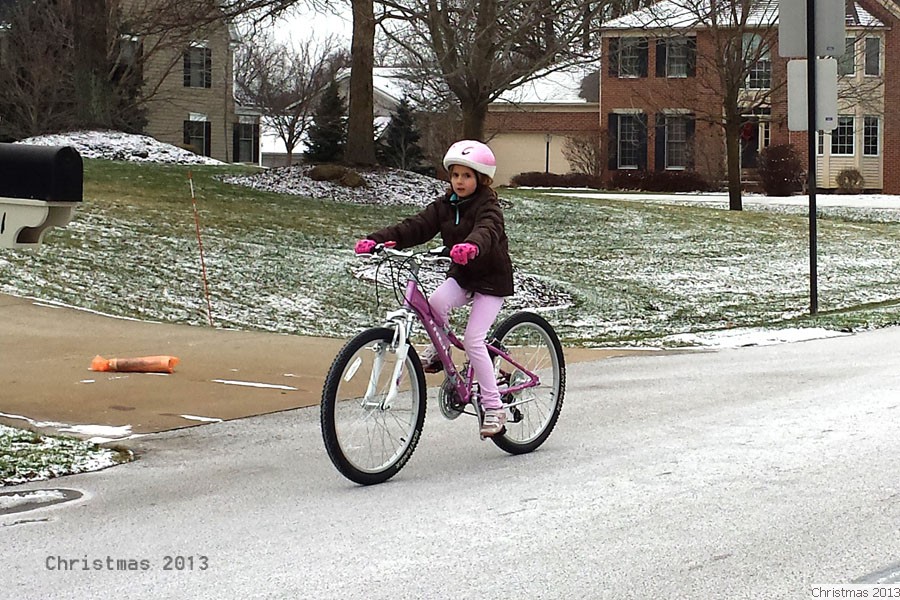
[[39, 186]]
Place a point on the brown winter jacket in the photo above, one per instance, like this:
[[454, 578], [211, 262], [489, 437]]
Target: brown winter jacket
[[477, 220]]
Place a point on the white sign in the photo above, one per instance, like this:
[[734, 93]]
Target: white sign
[[830, 31], [826, 95]]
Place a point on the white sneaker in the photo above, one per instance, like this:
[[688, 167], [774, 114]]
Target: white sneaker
[[494, 421]]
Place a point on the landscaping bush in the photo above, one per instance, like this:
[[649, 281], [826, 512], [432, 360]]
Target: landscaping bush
[[627, 180], [569, 180], [780, 170], [675, 181], [850, 181]]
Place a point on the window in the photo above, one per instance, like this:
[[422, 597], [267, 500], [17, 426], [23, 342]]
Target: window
[[759, 65], [627, 132], [847, 61], [873, 56], [676, 142], [677, 57], [870, 136], [246, 142], [129, 50], [198, 67], [628, 142], [631, 141], [128, 67], [632, 57], [197, 134], [842, 137]]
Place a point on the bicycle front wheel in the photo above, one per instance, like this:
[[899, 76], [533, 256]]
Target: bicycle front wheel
[[369, 436], [532, 413]]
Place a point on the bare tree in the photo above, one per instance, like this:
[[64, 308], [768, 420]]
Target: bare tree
[[481, 48], [33, 97], [583, 152], [285, 80], [361, 129], [79, 63]]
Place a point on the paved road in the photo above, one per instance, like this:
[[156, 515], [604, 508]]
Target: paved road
[[749, 473]]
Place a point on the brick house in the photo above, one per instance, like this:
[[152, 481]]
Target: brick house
[[656, 87], [528, 127]]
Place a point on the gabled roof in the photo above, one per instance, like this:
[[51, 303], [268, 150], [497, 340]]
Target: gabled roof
[[688, 14], [387, 81], [561, 86]]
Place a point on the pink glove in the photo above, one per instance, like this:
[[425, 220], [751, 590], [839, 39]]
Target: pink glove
[[364, 246], [463, 253]]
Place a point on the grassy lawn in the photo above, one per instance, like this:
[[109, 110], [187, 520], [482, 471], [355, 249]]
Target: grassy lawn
[[637, 272], [28, 456]]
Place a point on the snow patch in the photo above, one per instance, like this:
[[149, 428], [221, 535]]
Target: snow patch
[[116, 145]]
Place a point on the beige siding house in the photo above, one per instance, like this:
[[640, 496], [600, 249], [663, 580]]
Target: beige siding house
[[189, 86], [529, 126]]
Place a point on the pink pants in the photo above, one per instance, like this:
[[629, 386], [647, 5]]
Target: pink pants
[[484, 311]]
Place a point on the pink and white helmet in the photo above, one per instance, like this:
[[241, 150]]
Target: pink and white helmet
[[472, 154]]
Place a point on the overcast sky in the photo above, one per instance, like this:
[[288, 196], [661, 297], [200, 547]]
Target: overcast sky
[[305, 23]]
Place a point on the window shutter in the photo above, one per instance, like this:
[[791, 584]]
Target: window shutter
[[207, 67], [612, 128], [613, 57], [256, 143], [236, 142], [661, 57], [207, 142], [691, 127], [187, 68], [642, 53], [187, 133], [642, 143], [659, 143]]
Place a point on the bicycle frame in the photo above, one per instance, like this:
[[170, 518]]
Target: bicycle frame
[[417, 308]]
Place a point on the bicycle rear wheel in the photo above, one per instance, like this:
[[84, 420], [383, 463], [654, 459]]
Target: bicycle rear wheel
[[531, 341], [367, 440]]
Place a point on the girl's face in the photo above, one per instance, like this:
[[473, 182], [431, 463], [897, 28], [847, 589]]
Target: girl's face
[[463, 180]]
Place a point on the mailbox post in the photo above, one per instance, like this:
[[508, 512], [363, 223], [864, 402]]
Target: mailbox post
[[40, 186]]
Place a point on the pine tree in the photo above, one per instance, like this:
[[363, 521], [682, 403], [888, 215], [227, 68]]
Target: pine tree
[[399, 146], [328, 134]]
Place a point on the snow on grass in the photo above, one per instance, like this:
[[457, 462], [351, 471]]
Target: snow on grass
[[28, 456], [614, 269], [384, 186], [115, 145]]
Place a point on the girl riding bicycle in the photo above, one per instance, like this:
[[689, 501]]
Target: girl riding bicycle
[[469, 219]]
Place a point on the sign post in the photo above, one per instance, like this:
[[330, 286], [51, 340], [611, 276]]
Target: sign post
[[829, 23]]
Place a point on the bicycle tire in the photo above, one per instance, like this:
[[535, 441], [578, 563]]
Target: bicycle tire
[[369, 444], [532, 421]]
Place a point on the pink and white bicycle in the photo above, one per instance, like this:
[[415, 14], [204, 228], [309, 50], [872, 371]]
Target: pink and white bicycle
[[374, 399]]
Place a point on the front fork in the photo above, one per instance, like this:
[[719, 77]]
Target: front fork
[[401, 321]]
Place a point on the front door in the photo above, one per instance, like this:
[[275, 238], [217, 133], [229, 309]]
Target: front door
[[749, 143]]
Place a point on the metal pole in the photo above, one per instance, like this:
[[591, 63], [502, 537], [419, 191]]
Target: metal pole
[[811, 131], [547, 139]]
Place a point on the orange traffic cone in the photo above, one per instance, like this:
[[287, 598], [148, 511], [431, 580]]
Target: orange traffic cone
[[143, 364]]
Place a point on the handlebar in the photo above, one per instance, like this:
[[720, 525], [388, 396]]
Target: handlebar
[[437, 254]]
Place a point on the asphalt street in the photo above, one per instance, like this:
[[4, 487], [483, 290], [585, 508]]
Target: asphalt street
[[748, 473]]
